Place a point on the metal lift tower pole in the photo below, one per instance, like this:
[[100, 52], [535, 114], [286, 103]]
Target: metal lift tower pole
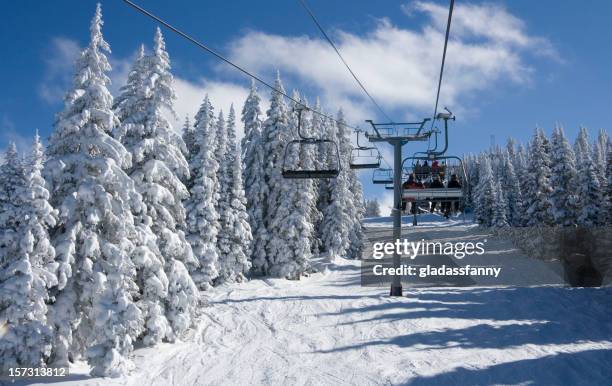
[[396, 285], [412, 131]]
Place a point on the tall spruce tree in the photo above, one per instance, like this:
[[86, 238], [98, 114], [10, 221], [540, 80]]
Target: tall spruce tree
[[335, 230], [274, 138], [236, 263], [131, 107], [538, 188], [235, 236], [599, 157], [511, 189], [290, 229], [224, 242], [27, 261], [354, 201], [500, 206], [94, 237], [484, 195], [588, 188], [202, 216], [256, 189], [564, 180], [159, 169]]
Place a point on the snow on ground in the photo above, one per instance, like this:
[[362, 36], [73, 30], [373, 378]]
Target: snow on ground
[[328, 330]]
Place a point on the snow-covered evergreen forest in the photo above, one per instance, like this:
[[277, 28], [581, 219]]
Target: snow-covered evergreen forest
[[546, 182], [108, 235]]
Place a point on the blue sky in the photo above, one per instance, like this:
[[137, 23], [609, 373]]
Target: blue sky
[[512, 65]]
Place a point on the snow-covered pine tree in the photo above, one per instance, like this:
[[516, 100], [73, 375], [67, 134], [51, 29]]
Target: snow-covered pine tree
[[94, 237], [224, 243], [511, 189], [204, 117], [372, 208], [152, 280], [189, 137], [273, 139], [320, 127], [599, 157], [235, 236], [336, 227], [309, 159], [484, 194], [27, 261], [500, 206], [588, 188], [130, 95], [563, 180], [471, 165], [354, 202], [538, 188], [511, 149], [11, 175], [159, 168], [289, 228], [202, 216], [520, 161], [255, 186]]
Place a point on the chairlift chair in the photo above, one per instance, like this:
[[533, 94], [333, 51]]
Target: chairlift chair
[[364, 157], [441, 195], [330, 171], [382, 176]]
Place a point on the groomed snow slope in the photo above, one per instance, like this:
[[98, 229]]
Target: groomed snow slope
[[326, 329]]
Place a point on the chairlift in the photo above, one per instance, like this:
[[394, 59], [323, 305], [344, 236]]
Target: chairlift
[[444, 195], [382, 176], [330, 171], [364, 157]]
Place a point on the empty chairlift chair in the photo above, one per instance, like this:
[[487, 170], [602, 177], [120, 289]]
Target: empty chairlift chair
[[291, 159], [382, 176], [363, 157]]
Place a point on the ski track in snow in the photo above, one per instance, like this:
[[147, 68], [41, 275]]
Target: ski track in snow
[[328, 330]]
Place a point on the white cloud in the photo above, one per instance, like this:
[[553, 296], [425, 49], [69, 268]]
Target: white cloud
[[59, 61], [400, 66], [488, 21]]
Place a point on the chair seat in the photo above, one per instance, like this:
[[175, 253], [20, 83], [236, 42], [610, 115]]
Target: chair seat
[[330, 173], [427, 194]]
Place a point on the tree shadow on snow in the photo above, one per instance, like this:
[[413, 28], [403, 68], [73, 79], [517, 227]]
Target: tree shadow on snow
[[590, 367], [533, 315]]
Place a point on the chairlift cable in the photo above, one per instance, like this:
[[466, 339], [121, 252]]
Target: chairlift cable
[[448, 25], [222, 58], [331, 43]]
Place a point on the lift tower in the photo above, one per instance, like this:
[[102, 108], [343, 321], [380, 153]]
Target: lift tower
[[397, 135]]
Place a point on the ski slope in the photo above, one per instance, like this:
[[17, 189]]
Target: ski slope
[[328, 330]]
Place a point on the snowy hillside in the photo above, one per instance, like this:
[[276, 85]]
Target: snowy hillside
[[327, 329]]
